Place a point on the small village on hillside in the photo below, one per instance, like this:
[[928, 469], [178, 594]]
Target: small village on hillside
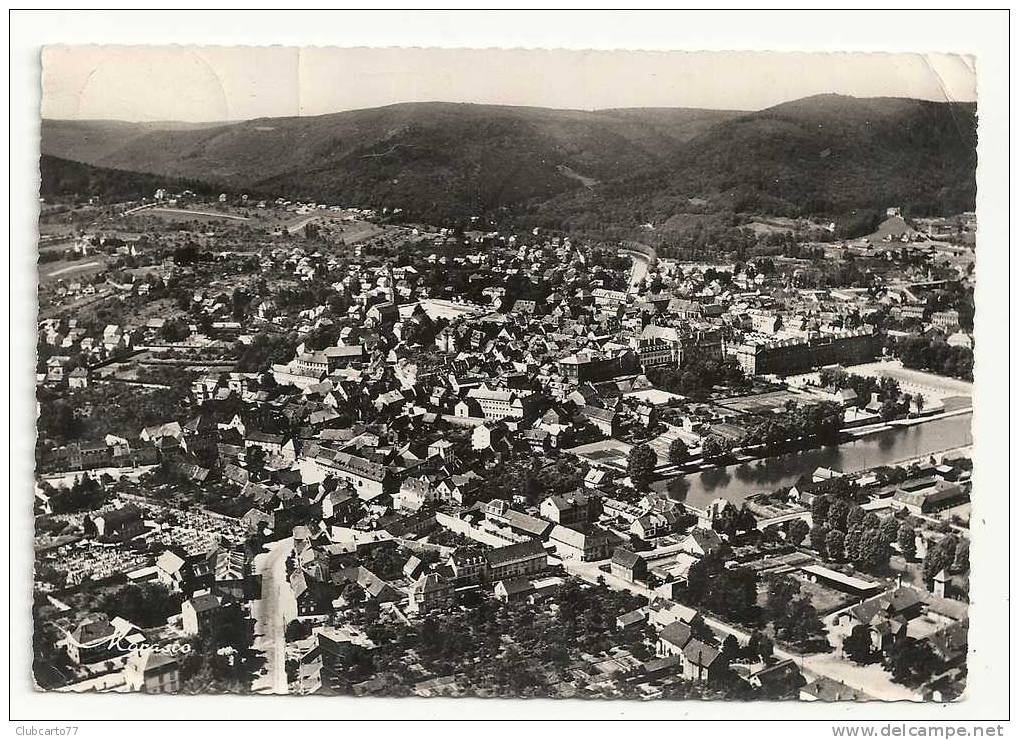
[[301, 448]]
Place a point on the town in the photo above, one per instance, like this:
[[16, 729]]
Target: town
[[303, 448]]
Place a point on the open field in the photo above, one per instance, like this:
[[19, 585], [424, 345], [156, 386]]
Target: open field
[[915, 381], [180, 214], [67, 269]]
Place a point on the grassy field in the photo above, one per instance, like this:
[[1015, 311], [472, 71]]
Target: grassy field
[[202, 215], [70, 269]]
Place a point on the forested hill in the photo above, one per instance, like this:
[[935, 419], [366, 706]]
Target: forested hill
[[62, 178], [823, 155], [820, 155]]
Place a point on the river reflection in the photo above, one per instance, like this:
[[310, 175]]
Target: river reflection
[[889, 447]]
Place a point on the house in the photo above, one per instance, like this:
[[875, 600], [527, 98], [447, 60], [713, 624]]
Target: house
[[577, 508], [655, 524], [628, 565], [468, 565], [116, 525], [199, 613], [631, 619], [314, 597], [513, 589], [702, 663], [414, 567], [152, 672], [672, 638], [98, 638], [823, 688], [78, 378], [926, 495], [593, 544], [430, 591], [527, 525], [520, 559], [886, 615], [368, 479], [340, 505], [701, 542], [779, 681]]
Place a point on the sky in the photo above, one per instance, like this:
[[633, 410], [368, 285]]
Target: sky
[[196, 84]]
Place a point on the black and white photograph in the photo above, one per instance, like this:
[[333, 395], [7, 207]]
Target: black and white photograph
[[418, 373]]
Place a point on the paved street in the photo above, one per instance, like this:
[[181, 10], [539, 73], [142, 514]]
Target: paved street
[[271, 613]]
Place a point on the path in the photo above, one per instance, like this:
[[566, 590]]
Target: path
[[301, 223], [271, 613]]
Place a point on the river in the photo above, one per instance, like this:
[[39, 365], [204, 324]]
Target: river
[[735, 482]]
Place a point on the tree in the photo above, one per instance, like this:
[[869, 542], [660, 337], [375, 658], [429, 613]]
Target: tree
[[852, 543], [174, 330], [838, 514], [745, 520], [939, 557], [641, 466], [855, 517], [715, 447], [679, 453], [906, 538], [760, 646], [858, 646], [797, 531], [874, 551], [818, 536], [146, 605], [819, 509], [912, 662], [800, 623], [835, 544], [890, 530], [727, 521], [730, 648], [780, 592]]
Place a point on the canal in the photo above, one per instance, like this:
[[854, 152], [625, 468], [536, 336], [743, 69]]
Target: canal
[[736, 482]]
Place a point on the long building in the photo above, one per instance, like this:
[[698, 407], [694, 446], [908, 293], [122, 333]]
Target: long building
[[791, 356]]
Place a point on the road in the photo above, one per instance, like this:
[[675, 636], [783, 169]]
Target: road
[[872, 679], [271, 613], [641, 262], [301, 223]]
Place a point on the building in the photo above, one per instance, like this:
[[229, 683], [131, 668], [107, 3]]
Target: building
[[98, 638], [628, 565], [672, 638], [945, 320], [199, 613], [116, 525], [702, 663], [791, 356], [521, 559], [152, 672], [655, 524], [367, 479], [594, 544], [927, 495], [582, 367], [499, 404], [659, 346], [430, 591], [571, 509]]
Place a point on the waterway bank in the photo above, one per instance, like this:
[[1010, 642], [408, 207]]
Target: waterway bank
[[894, 445]]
